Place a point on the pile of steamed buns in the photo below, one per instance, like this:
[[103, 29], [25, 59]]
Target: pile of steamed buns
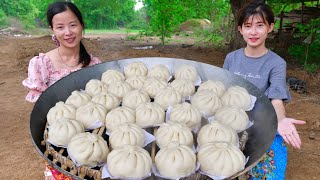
[[126, 102]]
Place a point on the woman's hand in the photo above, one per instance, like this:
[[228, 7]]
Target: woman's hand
[[288, 131]]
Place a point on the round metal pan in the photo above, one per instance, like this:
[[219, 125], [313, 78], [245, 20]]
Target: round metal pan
[[261, 134]]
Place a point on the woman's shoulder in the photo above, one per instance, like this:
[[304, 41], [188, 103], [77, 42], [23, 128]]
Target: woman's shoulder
[[276, 58], [234, 55], [41, 62], [94, 60], [236, 52], [42, 58]]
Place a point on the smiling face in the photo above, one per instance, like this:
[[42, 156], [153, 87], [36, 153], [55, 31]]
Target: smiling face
[[67, 28], [255, 31]]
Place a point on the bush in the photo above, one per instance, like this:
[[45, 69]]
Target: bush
[[307, 53], [3, 19], [137, 25]]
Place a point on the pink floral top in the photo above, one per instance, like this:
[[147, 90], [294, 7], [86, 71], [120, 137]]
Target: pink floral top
[[41, 75]]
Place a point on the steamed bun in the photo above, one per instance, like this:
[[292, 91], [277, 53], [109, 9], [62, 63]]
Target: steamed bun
[[90, 113], [63, 130], [119, 116], [215, 132], [160, 71], [135, 69], [111, 76], [207, 102], [127, 133], [61, 110], [129, 162], [183, 86], [186, 71], [168, 97], [187, 114], [169, 132], [215, 86], [108, 100], [175, 161], [237, 96], [153, 86], [136, 82], [149, 114], [88, 149], [78, 98], [95, 87], [134, 98], [120, 89], [233, 117], [221, 159]]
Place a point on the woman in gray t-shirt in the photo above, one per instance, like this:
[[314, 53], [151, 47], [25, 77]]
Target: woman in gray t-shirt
[[267, 71]]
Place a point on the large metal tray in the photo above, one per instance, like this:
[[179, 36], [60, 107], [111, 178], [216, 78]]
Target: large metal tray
[[260, 135]]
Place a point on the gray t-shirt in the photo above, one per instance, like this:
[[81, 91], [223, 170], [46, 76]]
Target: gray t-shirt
[[267, 72]]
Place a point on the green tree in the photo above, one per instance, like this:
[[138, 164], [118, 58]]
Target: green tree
[[307, 52], [24, 10], [42, 6], [165, 16], [139, 21], [3, 19], [101, 14], [201, 9], [127, 13]]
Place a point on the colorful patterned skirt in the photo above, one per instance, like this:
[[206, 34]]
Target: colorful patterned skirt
[[273, 165], [56, 175]]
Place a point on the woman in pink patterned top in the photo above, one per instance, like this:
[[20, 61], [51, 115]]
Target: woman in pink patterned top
[[66, 23]]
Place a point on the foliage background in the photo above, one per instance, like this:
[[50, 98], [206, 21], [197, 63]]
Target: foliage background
[[162, 18]]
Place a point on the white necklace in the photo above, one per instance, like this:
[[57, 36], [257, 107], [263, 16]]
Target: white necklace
[[70, 66]]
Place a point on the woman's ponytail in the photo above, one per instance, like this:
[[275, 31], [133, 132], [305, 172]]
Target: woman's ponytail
[[84, 56]]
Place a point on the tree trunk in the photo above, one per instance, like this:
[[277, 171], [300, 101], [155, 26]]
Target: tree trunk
[[281, 24], [236, 38]]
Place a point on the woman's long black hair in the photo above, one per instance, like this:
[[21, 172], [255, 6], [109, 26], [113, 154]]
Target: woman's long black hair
[[59, 7]]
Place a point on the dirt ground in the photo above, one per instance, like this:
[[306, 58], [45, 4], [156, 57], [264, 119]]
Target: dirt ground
[[18, 156]]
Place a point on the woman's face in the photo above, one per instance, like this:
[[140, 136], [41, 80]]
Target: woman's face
[[67, 28], [255, 31]]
